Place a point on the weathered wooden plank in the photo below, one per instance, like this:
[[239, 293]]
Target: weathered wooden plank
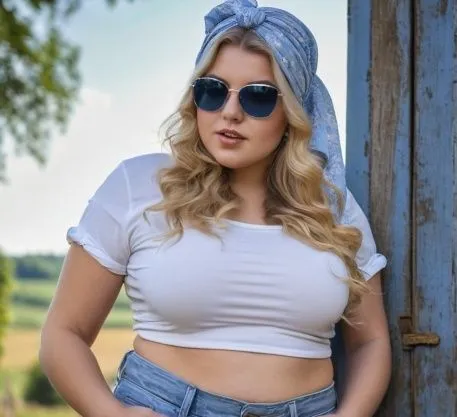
[[358, 100], [390, 179], [435, 206], [357, 131], [379, 157]]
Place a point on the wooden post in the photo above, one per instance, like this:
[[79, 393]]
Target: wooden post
[[435, 205], [402, 168]]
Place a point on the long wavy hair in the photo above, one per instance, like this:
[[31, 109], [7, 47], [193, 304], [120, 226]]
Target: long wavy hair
[[196, 189]]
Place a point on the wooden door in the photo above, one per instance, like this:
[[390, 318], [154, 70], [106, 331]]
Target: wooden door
[[402, 168]]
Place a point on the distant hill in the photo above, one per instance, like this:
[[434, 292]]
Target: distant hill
[[32, 267]]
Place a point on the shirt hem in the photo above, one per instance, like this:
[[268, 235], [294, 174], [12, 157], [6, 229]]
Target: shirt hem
[[74, 235], [240, 348], [375, 264]]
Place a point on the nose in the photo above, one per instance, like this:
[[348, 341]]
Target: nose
[[232, 109]]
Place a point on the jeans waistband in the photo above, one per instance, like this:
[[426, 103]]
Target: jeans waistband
[[191, 400]]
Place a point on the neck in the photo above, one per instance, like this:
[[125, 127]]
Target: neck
[[247, 182]]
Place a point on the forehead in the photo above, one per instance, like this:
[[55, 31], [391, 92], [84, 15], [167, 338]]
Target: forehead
[[238, 66]]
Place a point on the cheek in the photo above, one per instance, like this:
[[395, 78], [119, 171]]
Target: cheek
[[269, 135], [269, 132], [205, 121]]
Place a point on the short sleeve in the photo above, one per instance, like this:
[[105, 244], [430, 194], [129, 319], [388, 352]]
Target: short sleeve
[[369, 261], [103, 228]]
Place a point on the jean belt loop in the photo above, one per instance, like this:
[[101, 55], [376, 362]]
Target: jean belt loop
[[187, 402], [122, 366], [293, 409]]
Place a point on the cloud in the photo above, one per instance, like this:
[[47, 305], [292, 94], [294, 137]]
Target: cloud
[[92, 98]]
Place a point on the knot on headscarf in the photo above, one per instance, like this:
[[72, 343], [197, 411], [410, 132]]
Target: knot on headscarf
[[250, 17], [245, 12], [295, 50]]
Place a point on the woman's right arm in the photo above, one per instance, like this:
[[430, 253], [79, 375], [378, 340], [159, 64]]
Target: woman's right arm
[[85, 295], [89, 283]]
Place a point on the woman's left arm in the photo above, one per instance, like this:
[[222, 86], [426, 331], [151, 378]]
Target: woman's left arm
[[368, 353]]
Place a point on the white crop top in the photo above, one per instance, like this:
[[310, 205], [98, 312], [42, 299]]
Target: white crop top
[[257, 290]]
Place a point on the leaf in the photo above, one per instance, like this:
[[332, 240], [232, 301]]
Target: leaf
[[39, 74]]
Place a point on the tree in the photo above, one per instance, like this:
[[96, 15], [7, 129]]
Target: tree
[[37, 266], [39, 75], [6, 283]]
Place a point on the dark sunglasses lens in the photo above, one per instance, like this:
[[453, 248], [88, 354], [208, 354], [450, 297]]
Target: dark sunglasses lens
[[258, 100], [209, 94]]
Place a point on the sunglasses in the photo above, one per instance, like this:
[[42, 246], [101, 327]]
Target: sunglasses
[[256, 100]]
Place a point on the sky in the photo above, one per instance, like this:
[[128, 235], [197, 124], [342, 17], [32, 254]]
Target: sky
[[136, 60]]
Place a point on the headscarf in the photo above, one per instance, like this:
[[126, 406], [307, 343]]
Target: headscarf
[[295, 50]]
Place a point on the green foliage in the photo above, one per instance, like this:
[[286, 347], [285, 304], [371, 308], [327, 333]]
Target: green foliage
[[39, 75], [5, 291], [37, 266], [39, 390], [39, 78]]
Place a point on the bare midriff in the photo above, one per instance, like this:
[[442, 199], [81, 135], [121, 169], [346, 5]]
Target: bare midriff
[[245, 376]]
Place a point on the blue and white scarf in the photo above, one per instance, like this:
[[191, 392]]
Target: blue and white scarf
[[295, 50]]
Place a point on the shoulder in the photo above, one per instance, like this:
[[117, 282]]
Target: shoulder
[[142, 170], [131, 178], [146, 164], [353, 214], [368, 259], [140, 174]]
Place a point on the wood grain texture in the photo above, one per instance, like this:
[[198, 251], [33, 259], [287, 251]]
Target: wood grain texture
[[434, 273], [358, 100], [390, 179], [357, 131], [379, 158], [402, 168]]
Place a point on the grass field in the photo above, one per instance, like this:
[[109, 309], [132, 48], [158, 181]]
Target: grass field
[[31, 300], [21, 350]]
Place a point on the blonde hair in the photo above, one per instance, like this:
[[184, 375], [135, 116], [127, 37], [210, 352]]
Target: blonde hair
[[196, 191]]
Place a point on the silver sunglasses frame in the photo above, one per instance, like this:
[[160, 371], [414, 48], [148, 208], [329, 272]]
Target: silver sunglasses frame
[[230, 90]]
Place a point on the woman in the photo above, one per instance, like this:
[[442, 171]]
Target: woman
[[239, 252]]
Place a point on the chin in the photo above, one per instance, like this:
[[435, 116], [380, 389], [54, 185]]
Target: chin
[[237, 157], [232, 161]]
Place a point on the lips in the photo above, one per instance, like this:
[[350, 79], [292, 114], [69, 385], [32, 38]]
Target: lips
[[231, 134]]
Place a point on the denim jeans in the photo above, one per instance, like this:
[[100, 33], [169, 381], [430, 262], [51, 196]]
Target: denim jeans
[[140, 382]]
